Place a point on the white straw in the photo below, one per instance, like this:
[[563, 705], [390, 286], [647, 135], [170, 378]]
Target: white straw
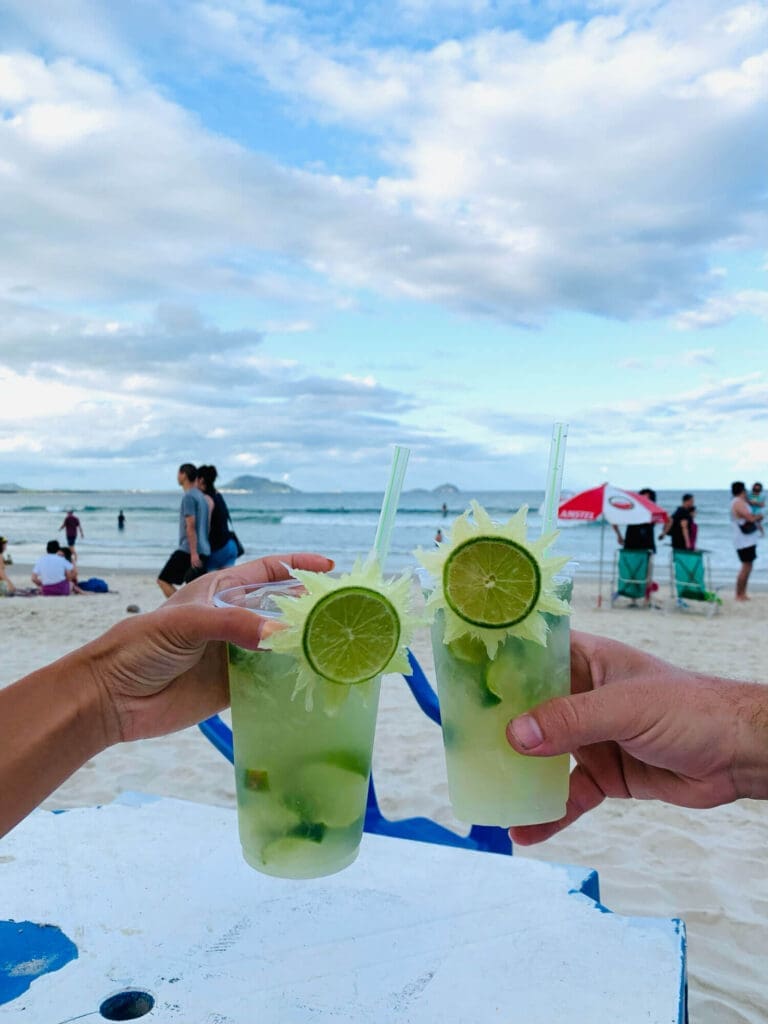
[[389, 505], [554, 477]]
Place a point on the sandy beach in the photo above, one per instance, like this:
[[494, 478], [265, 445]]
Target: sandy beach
[[707, 867]]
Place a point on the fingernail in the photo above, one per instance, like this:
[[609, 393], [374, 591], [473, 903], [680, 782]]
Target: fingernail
[[526, 731]]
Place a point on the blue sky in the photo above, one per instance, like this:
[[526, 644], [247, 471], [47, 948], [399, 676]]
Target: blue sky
[[282, 237]]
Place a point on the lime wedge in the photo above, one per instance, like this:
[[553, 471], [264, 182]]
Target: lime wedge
[[492, 582], [331, 794], [468, 648], [350, 635], [291, 853]]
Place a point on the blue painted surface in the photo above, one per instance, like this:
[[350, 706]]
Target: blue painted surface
[[27, 951]]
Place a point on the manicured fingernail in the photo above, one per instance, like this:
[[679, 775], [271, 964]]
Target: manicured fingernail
[[526, 731]]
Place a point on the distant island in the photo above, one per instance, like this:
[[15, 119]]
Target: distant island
[[258, 484], [441, 491], [10, 488]]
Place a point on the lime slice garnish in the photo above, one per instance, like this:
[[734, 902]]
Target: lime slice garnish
[[350, 635], [492, 582]]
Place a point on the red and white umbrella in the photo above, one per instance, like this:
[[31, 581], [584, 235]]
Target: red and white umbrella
[[610, 505], [615, 505]]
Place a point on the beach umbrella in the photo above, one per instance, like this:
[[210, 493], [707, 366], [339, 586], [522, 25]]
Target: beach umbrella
[[611, 505]]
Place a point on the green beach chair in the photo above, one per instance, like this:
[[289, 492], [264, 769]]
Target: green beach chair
[[632, 571], [690, 579]]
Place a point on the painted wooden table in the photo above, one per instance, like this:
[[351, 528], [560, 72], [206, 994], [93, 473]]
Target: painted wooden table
[[148, 910]]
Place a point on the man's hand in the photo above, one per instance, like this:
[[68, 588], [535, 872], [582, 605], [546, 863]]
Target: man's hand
[[639, 727], [166, 670]]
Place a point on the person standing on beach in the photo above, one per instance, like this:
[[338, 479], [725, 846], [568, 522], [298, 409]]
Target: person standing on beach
[[121, 520], [72, 527], [679, 526], [639, 536], [220, 533], [188, 560], [745, 525]]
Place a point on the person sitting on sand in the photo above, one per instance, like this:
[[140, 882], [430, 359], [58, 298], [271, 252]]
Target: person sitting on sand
[[635, 725], [66, 554], [6, 584], [53, 574]]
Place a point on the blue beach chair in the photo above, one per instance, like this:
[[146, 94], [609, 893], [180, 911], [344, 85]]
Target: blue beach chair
[[483, 838]]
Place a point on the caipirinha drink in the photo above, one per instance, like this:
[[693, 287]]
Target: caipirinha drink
[[501, 643], [304, 714]]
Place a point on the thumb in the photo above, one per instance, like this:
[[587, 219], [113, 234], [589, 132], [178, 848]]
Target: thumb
[[564, 724]]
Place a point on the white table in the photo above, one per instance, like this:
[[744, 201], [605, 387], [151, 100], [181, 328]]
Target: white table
[[155, 897]]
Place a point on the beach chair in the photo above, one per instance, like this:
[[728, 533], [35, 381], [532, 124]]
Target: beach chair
[[483, 838], [632, 573], [690, 580]]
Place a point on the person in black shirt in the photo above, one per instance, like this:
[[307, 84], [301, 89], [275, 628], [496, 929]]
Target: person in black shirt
[[220, 533], [640, 536], [679, 526]]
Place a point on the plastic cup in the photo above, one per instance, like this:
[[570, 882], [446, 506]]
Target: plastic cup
[[490, 783], [301, 776]]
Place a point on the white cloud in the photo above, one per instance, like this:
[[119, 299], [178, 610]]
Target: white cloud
[[593, 169], [722, 309]]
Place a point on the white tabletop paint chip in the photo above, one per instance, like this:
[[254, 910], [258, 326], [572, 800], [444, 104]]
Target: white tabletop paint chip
[[157, 897]]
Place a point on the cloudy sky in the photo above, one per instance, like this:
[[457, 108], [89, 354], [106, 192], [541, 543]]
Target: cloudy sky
[[282, 237]]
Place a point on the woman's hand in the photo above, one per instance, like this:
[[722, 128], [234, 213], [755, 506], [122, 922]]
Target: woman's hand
[[148, 675], [166, 670]]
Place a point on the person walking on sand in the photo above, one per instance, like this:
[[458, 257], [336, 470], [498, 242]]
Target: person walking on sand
[[220, 533], [188, 560], [72, 527], [745, 525]]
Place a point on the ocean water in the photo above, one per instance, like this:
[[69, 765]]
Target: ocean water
[[340, 525]]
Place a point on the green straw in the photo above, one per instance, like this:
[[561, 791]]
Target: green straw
[[554, 477], [389, 505]]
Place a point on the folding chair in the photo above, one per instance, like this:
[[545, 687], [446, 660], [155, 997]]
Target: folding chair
[[632, 573], [483, 838], [690, 580]]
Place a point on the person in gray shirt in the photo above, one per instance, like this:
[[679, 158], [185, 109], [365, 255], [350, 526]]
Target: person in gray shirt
[[188, 560]]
